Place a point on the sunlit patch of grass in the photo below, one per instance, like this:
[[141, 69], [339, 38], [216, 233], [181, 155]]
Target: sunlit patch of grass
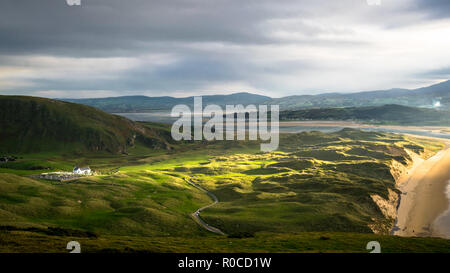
[[144, 203], [331, 178], [317, 182]]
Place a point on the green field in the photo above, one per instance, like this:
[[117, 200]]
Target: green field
[[305, 242], [316, 182], [137, 203], [312, 195]]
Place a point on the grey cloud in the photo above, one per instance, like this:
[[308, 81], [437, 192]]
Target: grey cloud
[[52, 26], [433, 8], [440, 73], [117, 27], [185, 29], [189, 73]]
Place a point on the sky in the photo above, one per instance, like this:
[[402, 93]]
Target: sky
[[197, 47]]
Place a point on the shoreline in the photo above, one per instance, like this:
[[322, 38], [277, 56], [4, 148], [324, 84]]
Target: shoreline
[[423, 199], [442, 223], [423, 206], [339, 123]]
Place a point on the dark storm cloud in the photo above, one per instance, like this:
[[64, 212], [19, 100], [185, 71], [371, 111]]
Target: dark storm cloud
[[433, 8], [264, 44], [117, 27], [102, 27], [441, 73], [98, 25], [189, 73]]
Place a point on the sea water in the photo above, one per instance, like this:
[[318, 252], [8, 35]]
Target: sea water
[[442, 224], [164, 117]]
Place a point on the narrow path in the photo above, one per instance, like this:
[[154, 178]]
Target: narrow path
[[196, 215]]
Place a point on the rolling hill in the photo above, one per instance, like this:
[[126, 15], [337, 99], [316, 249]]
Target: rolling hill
[[317, 182], [393, 114], [128, 104], [30, 124]]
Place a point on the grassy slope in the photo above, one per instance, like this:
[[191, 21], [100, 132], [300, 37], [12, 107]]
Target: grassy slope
[[135, 201], [318, 182], [297, 189], [36, 125], [26, 241], [132, 204]]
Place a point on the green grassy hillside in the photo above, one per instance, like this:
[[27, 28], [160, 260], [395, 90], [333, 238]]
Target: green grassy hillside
[[34, 125], [316, 182], [45, 241], [133, 204], [269, 201]]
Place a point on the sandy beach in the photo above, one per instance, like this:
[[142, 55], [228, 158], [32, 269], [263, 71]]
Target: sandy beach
[[424, 201], [424, 197]]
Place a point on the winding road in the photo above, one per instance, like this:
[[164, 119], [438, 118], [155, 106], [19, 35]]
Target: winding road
[[196, 215]]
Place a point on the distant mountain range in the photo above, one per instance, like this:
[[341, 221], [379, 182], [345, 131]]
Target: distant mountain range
[[131, 104], [434, 95], [437, 95]]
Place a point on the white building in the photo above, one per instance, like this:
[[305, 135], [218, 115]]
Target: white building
[[83, 171]]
